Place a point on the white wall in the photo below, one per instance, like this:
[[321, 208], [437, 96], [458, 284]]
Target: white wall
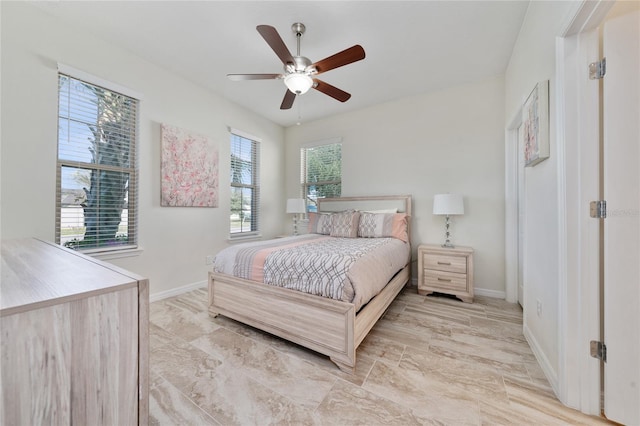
[[175, 240], [447, 141], [533, 60]]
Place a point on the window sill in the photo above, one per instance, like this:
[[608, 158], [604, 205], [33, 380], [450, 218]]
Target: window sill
[[110, 255], [244, 238]]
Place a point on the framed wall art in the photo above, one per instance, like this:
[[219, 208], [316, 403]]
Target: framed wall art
[[535, 125], [189, 169]]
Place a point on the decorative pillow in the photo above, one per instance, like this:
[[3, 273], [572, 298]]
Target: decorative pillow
[[319, 223], [345, 224], [378, 225]]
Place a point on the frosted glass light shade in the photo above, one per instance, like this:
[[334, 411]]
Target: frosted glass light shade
[[448, 204], [298, 83], [296, 205]]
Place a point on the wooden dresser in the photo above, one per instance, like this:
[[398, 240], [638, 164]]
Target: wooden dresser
[[75, 335], [446, 270]]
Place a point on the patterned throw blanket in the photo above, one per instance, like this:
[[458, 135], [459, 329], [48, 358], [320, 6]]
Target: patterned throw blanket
[[349, 269]]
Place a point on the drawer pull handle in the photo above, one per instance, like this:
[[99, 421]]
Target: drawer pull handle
[[444, 263], [444, 279]]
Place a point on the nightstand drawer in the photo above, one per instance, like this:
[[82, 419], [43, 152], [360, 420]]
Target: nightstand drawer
[[447, 263], [445, 280]]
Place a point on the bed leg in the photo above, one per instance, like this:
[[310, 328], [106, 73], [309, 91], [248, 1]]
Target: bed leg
[[349, 369], [213, 313]]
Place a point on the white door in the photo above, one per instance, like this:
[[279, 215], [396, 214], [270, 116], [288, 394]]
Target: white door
[[621, 163]]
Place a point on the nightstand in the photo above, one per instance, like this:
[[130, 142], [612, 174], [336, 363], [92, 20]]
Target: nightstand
[[446, 270]]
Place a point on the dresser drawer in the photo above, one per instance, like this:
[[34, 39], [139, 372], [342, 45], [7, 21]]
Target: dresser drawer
[[447, 263], [444, 280]]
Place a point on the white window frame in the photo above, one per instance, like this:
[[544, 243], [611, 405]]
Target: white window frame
[[304, 184], [254, 186], [104, 251]]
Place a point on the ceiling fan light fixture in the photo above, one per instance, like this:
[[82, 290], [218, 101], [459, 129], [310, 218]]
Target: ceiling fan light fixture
[[298, 83], [299, 72]]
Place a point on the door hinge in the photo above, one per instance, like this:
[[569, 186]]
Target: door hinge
[[598, 209], [597, 70], [599, 350]]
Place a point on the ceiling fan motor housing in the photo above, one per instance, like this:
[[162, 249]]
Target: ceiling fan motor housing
[[300, 65]]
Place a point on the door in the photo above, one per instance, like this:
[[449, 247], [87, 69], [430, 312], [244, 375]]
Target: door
[[621, 162]]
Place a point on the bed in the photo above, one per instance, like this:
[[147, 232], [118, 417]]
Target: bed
[[326, 325]]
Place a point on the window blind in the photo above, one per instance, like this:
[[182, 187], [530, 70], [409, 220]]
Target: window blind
[[321, 173], [245, 186], [96, 200]]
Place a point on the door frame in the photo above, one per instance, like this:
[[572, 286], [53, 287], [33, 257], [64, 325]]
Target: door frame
[[578, 136], [513, 193], [578, 381], [512, 219]]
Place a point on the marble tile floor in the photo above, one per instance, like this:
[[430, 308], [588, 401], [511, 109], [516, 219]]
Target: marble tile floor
[[429, 360]]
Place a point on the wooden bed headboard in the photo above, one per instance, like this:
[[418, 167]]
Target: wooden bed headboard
[[379, 202]]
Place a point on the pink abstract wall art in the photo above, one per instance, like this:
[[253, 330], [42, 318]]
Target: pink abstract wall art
[[189, 169]]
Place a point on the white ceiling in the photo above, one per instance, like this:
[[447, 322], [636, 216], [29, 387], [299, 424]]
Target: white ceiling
[[411, 47]]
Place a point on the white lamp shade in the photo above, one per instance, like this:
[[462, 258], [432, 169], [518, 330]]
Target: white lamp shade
[[448, 204], [298, 83], [296, 205]]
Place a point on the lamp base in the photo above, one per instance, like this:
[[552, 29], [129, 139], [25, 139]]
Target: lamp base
[[447, 234]]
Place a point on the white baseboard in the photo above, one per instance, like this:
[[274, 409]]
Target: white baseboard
[[496, 294], [176, 291], [542, 359]]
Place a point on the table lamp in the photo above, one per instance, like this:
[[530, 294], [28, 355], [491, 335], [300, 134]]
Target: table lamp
[[296, 206], [448, 205]]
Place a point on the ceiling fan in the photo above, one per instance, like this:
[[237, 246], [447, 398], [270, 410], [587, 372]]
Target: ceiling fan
[[299, 72]]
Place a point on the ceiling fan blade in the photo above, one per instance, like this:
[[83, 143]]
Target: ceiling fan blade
[[242, 77], [273, 39], [287, 102], [347, 56], [330, 90]]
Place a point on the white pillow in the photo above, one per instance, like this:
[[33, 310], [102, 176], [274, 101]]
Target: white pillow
[[381, 211]]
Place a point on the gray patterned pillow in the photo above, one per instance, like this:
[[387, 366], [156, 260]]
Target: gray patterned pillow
[[345, 224], [319, 223], [377, 225]]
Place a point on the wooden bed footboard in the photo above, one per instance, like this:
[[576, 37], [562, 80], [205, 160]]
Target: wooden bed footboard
[[327, 326]]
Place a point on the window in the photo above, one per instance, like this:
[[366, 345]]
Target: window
[[96, 168], [245, 186], [321, 173]]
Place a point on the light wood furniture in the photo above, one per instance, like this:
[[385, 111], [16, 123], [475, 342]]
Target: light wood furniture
[[446, 270], [75, 335], [328, 326]]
